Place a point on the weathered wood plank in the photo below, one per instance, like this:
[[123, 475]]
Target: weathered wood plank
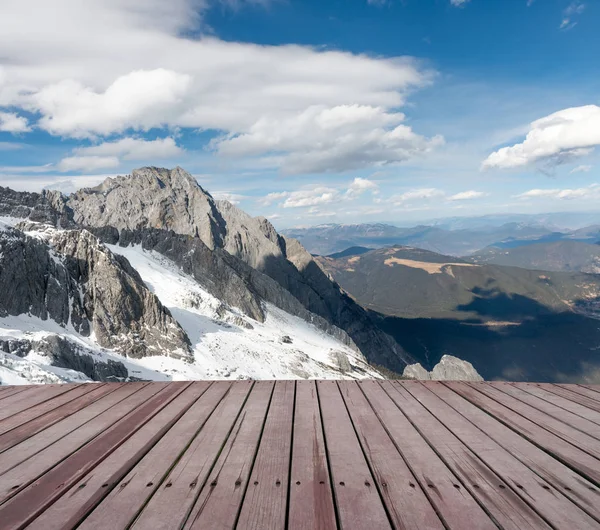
[[584, 463], [592, 388], [36, 443], [507, 509], [220, 499], [311, 499], [562, 402], [9, 391], [265, 505], [31, 413], [577, 438], [31, 501], [542, 496], [81, 398], [33, 397], [452, 500], [84, 494], [193, 443], [557, 413], [21, 475], [406, 503], [573, 485], [574, 393], [358, 502]]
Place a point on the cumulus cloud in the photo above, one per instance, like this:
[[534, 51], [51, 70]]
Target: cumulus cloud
[[87, 163], [313, 197], [134, 149], [559, 137], [361, 185], [467, 195], [13, 123], [581, 169], [333, 110], [589, 192], [321, 139], [420, 194], [233, 198]]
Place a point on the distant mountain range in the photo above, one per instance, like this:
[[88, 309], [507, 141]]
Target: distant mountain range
[[509, 322], [455, 238]]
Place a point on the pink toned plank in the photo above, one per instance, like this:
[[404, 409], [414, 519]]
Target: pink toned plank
[[12, 390], [32, 398], [311, 499], [18, 428], [358, 502], [453, 502], [407, 505], [557, 413], [575, 393], [21, 475], [195, 439], [542, 496], [585, 464], [506, 508], [265, 505], [573, 485], [76, 502], [577, 438], [33, 444], [593, 388], [30, 502], [220, 500], [562, 402]]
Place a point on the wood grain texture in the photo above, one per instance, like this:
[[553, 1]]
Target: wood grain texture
[[265, 503], [572, 484], [452, 500], [186, 443], [546, 499], [85, 493], [311, 499], [359, 504]]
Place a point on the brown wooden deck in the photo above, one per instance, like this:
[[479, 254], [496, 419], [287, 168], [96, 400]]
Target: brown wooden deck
[[300, 455]]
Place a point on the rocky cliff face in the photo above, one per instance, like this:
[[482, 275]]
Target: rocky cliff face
[[449, 368], [71, 278], [162, 199], [239, 259]]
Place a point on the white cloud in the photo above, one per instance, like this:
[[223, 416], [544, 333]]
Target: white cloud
[[313, 197], [361, 185], [467, 195], [13, 123], [573, 9], [134, 149], [556, 138], [589, 192], [459, 3], [334, 139], [422, 194], [334, 110], [87, 163], [10, 146], [581, 169], [273, 197], [141, 99], [233, 198]]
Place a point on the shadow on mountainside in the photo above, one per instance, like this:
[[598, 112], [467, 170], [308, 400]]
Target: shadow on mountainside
[[530, 342]]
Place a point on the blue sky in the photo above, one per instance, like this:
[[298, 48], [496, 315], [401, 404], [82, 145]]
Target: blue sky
[[311, 111]]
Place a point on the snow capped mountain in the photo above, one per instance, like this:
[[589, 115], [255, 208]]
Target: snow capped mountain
[[225, 343]]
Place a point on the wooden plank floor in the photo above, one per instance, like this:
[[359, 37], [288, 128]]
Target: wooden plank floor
[[320, 455]]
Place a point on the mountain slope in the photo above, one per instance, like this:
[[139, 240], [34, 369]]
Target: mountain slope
[[509, 322], [573, 256]]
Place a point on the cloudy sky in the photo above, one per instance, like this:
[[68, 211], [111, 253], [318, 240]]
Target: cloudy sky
[[311, 111]]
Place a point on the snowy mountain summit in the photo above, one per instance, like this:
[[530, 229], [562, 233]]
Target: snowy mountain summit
[[146, 276]]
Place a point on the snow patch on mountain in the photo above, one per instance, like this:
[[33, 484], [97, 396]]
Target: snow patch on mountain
[[227, 344]]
